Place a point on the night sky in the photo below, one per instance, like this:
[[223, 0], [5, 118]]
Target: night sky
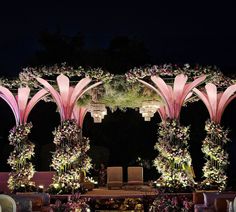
[[171, 32]]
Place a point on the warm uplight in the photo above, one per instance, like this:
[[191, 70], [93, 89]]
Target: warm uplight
[[56, 185], [41, 186], [148, 109]]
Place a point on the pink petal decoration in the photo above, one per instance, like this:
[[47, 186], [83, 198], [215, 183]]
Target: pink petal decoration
[[79, 91], [63, 83], [224, 100], [211, 91], [67, 108], [219, 116], [158, 92], [56, 96], [166, 93], [205, 100], [34, 100], [179, 84], [68, 96], [216, 103], [7, 96], [163, 113], [22, 99], [79, 114], [174, 97], [188, 96], [190, 86]]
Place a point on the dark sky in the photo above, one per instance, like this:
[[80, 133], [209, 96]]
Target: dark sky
[[172, 31]]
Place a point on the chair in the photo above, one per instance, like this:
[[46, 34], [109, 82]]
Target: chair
[[135, 175], [114, 177], [7, 203]]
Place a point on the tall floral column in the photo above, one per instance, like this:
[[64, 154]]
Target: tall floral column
[[19, 160], [174, 160], [67, 135], [213, 145], [68, 149], [83, 163]]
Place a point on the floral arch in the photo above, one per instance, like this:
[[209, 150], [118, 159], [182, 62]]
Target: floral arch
[[163, 89]]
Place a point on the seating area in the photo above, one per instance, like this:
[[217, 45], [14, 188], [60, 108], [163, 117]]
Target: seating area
[[25, 202], [7, 203], [115, 177], [214, 201], [116, 188]]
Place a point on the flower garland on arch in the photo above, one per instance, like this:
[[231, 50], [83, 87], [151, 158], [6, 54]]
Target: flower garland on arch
[[216, 157], [28, 76], [169, 71], [22, 169], [174, 160]]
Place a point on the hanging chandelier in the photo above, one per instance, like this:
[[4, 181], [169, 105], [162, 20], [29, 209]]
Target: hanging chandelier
[[148, 109], [98, 111]]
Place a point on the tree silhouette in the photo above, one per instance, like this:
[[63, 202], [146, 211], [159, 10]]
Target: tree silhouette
[[125, 53], [58, 48], [122, 53]]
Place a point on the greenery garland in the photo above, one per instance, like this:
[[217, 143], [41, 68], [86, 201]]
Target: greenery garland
[[22, 169], [216, 157], [174, 160], [29, 74], [170, 71], [117, 91]]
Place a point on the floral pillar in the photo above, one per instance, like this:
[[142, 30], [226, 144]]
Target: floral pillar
[[216, 138], [67, 135], [174, 160], [83, 163], [19, 159]]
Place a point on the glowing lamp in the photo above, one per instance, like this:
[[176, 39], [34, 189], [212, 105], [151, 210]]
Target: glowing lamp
[[148, 109], [98, 111]]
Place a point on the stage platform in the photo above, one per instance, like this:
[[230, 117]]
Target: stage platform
[[104, 193]]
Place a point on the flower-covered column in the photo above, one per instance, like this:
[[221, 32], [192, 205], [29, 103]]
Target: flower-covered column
[[67, 136], [83, 163], [174, 160], [214, 169], [68, 149], [19, 160]]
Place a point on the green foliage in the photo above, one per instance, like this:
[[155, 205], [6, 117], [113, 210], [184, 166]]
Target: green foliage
[[118, 93]]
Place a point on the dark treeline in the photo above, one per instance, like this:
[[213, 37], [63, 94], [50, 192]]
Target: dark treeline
[[120, 55]]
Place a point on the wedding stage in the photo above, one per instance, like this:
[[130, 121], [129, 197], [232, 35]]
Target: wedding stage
[[44, 179], [161, 89], [103, 193]]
